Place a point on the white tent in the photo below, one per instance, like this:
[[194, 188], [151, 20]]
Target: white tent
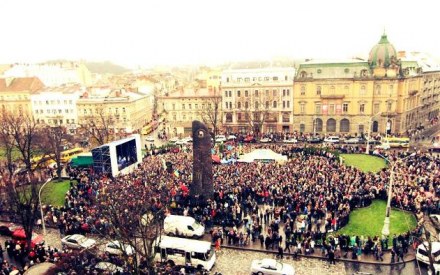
[[263, 155]]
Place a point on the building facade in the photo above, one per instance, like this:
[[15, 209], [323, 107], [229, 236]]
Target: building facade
[[349, 96], [56, 106], [258, 100], [125, 112], [15, 94], [184, 105]]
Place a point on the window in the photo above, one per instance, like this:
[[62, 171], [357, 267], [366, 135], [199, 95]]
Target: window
[[319, 71], [226, 105], [230, 105], [239, 116], [287, 92], [246, 105], [284, 92], [331, 108], [345, 107], [246, 93], [183, 106], [274, 92], [174, 106], [376, 108], [361, 108], [346, 70], [302, 108], [318, 90], [362, 90], [275, 78], [303, 90], [238, 93], [196, 106], [389, 106], [274, 104], [226, 93], [318, 108], [123, 109], [267, 104], [189, 106], [256, 105], [230, 93], [284, 104], [288, 103], [256, 93], [247, 79], [377, 90], [239, 105]]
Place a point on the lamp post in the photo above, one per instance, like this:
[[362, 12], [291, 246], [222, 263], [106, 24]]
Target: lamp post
[[41, 208], [386, 222]]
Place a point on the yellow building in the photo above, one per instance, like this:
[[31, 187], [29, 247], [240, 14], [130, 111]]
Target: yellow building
[[184, 105], [15, 94], [126, 112], [345, 96]]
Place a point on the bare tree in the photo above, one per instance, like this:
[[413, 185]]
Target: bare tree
[[8, 145], [211, 114], [98, 126], [258, 107], [53, 141]]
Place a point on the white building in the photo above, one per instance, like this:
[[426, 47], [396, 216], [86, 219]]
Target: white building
[[52, 74], [258, 99], [56, 106]]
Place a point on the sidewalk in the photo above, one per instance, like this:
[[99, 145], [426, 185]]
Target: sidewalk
[[365, 259]]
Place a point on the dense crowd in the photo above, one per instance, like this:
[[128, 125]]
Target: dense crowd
[[309, 197]]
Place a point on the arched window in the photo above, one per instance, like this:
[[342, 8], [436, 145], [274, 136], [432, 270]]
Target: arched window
[[375, 127], [239, 105], [344, 126], [331, 125], [303, 74], [302, 128], [318, 125], [246, 105]]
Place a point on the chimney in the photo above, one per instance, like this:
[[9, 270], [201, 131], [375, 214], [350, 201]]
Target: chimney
[[401, 54]]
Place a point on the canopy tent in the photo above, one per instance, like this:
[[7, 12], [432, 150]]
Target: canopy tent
[[262, 155]]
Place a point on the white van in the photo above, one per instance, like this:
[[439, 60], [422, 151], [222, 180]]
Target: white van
[[183, 226], [332, 139], [422, 255]]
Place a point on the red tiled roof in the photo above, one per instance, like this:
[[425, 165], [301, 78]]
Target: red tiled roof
[[30, 84]]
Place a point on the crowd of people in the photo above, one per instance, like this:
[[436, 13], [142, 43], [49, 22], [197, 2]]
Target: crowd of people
[[294, 207]]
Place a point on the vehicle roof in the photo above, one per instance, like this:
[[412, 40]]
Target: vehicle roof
[[177, 217], [75, 236], [183, 244], [435, 246]]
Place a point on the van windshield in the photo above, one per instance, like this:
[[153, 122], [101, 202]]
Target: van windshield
[[196, 225]]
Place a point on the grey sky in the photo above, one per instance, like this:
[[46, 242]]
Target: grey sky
[[148, 32]]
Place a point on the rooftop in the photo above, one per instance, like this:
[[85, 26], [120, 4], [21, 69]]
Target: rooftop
[[20, 84]]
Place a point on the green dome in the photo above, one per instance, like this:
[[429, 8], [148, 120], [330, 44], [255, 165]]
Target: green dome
[[382, 53]]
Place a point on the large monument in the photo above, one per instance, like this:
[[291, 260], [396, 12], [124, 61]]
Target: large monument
[[202, 187]]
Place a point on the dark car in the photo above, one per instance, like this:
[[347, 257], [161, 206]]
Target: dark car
[[314, 140]]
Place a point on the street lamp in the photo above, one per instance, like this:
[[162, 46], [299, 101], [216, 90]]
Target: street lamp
[[386, 222], [41, 208]]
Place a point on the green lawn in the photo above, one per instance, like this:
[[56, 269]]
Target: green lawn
[[15, 154], [54, 192], [368, 221], [364, 162]]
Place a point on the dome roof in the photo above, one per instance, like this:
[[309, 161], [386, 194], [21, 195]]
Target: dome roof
[[382, 54]]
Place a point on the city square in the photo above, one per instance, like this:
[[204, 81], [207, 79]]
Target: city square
[[204, 138]]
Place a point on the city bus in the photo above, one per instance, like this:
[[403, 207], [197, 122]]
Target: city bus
[[396, 142], [67, 155], [181, 251]]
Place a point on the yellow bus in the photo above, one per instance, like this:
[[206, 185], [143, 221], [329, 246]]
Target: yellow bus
[[42, 161], [67, 155], [396, 142]]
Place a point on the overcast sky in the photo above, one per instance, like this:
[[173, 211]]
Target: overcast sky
[[175, 32]]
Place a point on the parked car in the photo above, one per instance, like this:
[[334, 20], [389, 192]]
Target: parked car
[[291, 140], [314, 140], [231, 137], [7, 229], [271, 266], [118, 248], [78, 241], [149, 138], [108, 267], [332, 139], [175, 225], [383, 146], [220, 138], [265, 140], [249, 139], [423, 257], [354, 140], [19, 236]]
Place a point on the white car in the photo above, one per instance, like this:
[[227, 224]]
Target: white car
[[109, 267], [184, 141], [173, 140], [291, 140], [118, 248], [232, 137], [422, 254], [384, 146], [332, 139], [354, 140], [78, 241], [271, 266], [265, 140], [220, 138]]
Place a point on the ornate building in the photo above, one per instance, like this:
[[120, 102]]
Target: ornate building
[[258, 100], [345, 96]]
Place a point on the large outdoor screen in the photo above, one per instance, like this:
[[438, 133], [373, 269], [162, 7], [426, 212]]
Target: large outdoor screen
[[126, 154]]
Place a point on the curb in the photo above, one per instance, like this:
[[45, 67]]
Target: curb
[[413, 258]]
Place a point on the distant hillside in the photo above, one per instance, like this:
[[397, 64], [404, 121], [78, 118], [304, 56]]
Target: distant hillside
[[105, 67]]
